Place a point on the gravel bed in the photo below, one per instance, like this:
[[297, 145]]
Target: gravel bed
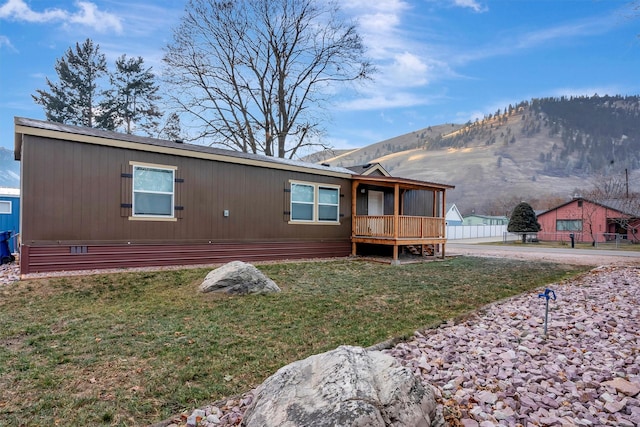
[[498, 368], [9, 273]]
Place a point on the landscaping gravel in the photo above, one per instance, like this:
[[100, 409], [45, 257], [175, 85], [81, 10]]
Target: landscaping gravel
[[497, 368], [9, 273]]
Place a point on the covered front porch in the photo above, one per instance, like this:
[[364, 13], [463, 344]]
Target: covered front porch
[[408, 215]]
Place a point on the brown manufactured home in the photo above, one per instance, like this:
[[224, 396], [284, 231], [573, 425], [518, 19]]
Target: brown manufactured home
[[96, 199]]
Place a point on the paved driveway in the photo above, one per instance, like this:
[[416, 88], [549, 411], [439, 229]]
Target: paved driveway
[[566, 255]]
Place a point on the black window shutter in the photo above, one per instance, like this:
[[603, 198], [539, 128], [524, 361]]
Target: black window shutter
[[286, 203], [178, 209], [126, 181]]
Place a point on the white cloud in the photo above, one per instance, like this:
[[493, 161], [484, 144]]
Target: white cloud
[[4, 41], [380, 24], [408, 69], [89, 15], [391, 6], [397, 54], [144, 18], [471, 4], [86, 15], [38, 76], [587, 27], [384, 100], [20, 11], [541, 38]]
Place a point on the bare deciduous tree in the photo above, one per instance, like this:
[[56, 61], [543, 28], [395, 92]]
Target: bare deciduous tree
[[255, 73], [612, 191]]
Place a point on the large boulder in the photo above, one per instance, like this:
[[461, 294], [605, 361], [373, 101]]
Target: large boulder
[[240, 278], [345, 387]]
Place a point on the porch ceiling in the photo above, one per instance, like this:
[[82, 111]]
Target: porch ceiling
[[404, 183]]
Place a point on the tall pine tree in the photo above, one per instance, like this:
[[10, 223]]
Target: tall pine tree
[[523, 221], [77, 98], [133, 96], [87, 94]]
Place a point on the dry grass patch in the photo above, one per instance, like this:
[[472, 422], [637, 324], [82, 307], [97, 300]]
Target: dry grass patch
[[135, 348]]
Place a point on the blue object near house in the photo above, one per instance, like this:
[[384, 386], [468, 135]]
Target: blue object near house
[[10, 214], [5, 254]]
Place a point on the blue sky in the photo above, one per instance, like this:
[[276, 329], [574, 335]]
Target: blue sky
[[438, 60]]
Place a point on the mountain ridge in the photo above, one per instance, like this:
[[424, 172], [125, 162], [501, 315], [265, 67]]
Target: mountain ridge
[[543, 150]]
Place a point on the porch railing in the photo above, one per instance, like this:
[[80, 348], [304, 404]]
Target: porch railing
[[408, 226]]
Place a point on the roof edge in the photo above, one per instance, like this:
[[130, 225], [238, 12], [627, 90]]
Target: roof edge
[[24, 126]]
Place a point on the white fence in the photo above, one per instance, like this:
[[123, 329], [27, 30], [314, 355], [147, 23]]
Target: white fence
[[597, 239], [455, 232]]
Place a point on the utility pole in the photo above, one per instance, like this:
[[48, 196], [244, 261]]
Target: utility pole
[[626, 178]]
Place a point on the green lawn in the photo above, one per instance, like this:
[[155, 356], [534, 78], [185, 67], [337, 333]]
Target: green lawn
[[136, 348]]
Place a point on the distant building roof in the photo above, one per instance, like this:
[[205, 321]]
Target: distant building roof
[[369, 169], [625, 206], [8, 191], [486, 216]]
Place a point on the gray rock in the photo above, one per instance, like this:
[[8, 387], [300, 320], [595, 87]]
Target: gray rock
[[348, 386], [239, 278], [616, 406], [485, 396], [624, 386]]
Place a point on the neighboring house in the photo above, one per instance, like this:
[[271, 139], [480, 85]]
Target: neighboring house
[[10, 214], [590, 221], [453, 216], [475, 219], [97, 199]]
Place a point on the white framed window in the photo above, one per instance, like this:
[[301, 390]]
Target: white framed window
[[302, 202], [328, 204], [315, 203], [5, 207], [153, 191]]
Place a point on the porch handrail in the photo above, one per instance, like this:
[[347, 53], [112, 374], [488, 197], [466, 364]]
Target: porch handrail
[[374, 225], [409, 226]]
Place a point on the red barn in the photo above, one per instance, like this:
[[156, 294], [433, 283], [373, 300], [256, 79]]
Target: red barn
[[591, 221]]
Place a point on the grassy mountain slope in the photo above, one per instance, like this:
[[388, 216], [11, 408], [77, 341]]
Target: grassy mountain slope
[[546, 148]]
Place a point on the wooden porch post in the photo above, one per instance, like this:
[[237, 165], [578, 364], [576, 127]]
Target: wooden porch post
[[354, 195], [396, 220], [444, 213], [434, 210], [396, 210]]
